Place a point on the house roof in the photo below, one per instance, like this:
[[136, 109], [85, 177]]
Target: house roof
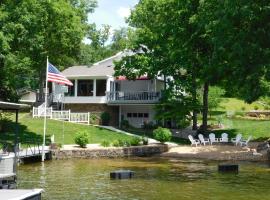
[[102, 68]]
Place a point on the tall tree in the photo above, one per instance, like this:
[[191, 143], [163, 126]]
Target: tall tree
[[169, 39], [34, 29]]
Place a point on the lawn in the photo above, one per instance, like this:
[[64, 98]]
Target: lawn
[[32, 129], [233, 104], [259, 129]]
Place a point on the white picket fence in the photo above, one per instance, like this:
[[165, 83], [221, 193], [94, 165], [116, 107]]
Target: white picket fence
[[64, 115]]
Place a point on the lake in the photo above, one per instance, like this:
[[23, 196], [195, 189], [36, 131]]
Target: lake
[[155, 178]]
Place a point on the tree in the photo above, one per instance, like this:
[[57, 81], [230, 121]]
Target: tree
[[102, 46], [170, 38], [239, 32], [34, 29]]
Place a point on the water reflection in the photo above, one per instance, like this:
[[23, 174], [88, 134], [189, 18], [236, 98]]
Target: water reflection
[[155, 178]]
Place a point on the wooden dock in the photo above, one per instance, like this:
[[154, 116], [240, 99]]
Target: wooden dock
[[33, 153]]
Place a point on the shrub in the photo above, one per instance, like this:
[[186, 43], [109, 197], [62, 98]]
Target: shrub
[[135, 141], [125, 124], [115, 143], [162, 134], [105, 118], [81, 139], [243, 108], [144, 140], [105, 143], [94, 118], [256, 107], [120, 143]]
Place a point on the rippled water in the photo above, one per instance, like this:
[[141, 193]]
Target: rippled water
[[155, 178]]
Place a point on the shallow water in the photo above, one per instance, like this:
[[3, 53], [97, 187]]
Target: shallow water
[[155, 178]]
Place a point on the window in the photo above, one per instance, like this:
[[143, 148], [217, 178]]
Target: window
[[134, 114], [140, 115], [101, 87], [71, 89], [85, 87], [145, 115], [129, 115]]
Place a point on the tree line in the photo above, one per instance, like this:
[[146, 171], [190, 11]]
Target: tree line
[[31, 30]]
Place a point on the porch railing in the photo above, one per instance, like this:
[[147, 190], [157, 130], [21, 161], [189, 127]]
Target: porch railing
[[65, 115], [133, 96]]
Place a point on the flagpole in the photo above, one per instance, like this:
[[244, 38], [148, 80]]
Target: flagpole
[[45, 112]]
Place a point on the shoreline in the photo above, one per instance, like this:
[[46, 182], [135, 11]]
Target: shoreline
[[210, 152]]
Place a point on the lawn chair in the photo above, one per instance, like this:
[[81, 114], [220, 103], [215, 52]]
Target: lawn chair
[[224, 138], [237, 139], [193, 141], [212, 138], [202, 140], [245, 142]]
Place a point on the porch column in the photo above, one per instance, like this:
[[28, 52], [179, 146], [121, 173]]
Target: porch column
[[76, 87], [94, 87]]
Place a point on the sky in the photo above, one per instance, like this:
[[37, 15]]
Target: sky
[[112, 12]]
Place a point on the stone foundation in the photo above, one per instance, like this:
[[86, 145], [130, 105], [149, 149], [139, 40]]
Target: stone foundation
[[97, 109], [110, 152]]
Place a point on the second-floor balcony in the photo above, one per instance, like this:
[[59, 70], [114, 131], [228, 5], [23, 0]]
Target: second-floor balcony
[[133, 97]]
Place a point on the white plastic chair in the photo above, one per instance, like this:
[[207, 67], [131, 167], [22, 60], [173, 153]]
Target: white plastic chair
[[224, 137], [245, 142], [237, 139], [202, 140], [212, 138], [193, 141]]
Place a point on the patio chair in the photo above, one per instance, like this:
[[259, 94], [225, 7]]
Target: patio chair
[[224, 138], [237, 139], [245, 142], [212, 138], [193, 141], [202, 140]]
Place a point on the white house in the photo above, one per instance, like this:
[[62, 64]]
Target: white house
[[95, 89]]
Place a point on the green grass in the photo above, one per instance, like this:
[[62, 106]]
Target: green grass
[[31, 129], [149, 133], [233, 104], [260, 130]]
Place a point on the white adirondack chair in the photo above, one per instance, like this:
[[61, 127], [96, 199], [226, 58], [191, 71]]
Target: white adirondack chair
[[245, 142], [212, 138], [224, 137], [193, 141], [202, 140], [237, 139]]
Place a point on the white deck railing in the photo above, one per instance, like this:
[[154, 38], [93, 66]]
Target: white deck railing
[[64, 115], [79, 117], [133, 96]]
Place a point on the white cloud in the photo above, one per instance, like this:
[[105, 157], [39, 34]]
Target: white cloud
[[123, 12]]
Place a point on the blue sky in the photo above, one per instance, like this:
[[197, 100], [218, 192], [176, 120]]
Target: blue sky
[[112, 12]]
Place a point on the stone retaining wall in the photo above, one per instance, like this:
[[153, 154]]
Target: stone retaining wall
[[109, 152]]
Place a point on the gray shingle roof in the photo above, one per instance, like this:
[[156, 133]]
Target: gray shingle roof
[[102, 68]]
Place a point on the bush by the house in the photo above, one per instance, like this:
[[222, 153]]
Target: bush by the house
[[162, 134], [105, 118], [115, 143], [145, 140], [105, 143], [81, 138], [94, 118], [125, 124], [135, 141]]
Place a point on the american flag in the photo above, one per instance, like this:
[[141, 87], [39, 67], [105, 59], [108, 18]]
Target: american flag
[[55, 76]]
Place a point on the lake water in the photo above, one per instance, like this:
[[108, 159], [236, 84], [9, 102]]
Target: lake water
[[155, 178]]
